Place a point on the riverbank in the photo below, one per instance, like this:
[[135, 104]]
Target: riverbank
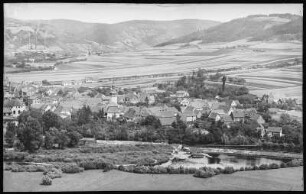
[[285, 179]]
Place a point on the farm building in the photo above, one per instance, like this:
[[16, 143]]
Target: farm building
[[189, 114], [274, 131], [237, 115]]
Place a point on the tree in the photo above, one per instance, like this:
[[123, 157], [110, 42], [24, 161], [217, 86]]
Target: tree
[[147, 101], [84, 115], [30, 134], [10, 134], [50, 119], [151, 120], [181, 127]]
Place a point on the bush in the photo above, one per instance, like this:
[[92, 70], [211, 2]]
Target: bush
[[242, 169], [72, 168], [46, 180], [228, 170], [283, 165], [273, 166], [293, 163], [68, 160], [191, 170], [141, 169], [14, 156], [108, 167], [220, 170], [216, 171], [18, 168], [53, 173], [203, 174], [301, 162], [263, 167], [121, 168], [160, 169], [256, 167]]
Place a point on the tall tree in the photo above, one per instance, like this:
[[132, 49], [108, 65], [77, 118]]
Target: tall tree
[[30, 134], [10, 134]]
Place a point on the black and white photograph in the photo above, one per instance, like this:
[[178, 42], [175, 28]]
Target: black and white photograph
[[152, 97]]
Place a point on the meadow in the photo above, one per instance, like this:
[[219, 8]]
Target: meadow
[[177, 59]]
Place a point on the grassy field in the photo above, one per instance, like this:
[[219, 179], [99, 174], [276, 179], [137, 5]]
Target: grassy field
[[286, 179], [174, 58]]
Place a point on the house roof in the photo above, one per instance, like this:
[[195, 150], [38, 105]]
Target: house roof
[[166, 114], [250, 112], [238, 114], [236, 101], [273, 110], [226, 118], [189, 112], [199, 103], [6, 110], [218, 111], [167, 121], [12, 103], [274, 129], [213, 115], [112, 109], [216, 105]]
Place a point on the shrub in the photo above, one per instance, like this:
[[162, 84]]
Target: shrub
[[283, 165], [191, 170], [108, 167], [293, 163], [68, 160], [220, 170], [72, 168], [228, 170], [273, 166], [88, 165], [216, 171], [121, 168], [203, 174], [53, 173], [46, 180], [256, 167], [161, 170], [141, 169], [301, 162], [18, 168], [263, 167], [248, 168], [14, 156], [242, 169]]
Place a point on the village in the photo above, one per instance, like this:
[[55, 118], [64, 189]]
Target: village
[[65, 98]]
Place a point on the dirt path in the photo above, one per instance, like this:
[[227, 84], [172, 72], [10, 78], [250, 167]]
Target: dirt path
[[95, 180]]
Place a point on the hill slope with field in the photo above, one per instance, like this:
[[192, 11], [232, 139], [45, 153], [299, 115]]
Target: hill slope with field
[[280, 27]]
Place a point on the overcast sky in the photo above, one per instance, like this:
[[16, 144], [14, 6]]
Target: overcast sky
[[114, 13]]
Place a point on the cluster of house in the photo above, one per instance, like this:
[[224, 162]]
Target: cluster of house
[[124, 106]]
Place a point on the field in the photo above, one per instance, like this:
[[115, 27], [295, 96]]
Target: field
[[285, 179], [170, 59], [282, 82]]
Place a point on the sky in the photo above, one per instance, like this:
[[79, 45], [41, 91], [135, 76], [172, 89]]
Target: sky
[[115, 13]]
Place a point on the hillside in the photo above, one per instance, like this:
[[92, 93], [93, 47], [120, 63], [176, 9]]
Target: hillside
[[75, 36], [255, 27]]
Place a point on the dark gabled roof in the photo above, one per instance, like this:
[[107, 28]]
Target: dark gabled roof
[[226, 118], [274, 129], [167, 121], [238, 114], [189, 112]]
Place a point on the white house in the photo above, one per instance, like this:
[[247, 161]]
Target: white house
[[181, 94], [15, 107], [185, 102]]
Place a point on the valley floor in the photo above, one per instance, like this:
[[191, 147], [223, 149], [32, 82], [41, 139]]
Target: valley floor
[[285, 179]]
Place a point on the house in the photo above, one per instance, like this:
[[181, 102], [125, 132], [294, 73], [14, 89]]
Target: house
[[216, 105], [143, 97], [199, 104], [112, 111], [185, 102], [237, 115], [214, 116], [274, 131], [189, 114], [226, 119], [235, 103], [131, 98], [166, 118], [181, 94], [14, 106], [250, 112]]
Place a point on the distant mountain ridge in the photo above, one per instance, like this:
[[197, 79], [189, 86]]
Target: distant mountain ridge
[[255, 27], [76, 36]]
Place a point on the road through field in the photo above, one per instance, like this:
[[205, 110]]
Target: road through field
[[285, 179]]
